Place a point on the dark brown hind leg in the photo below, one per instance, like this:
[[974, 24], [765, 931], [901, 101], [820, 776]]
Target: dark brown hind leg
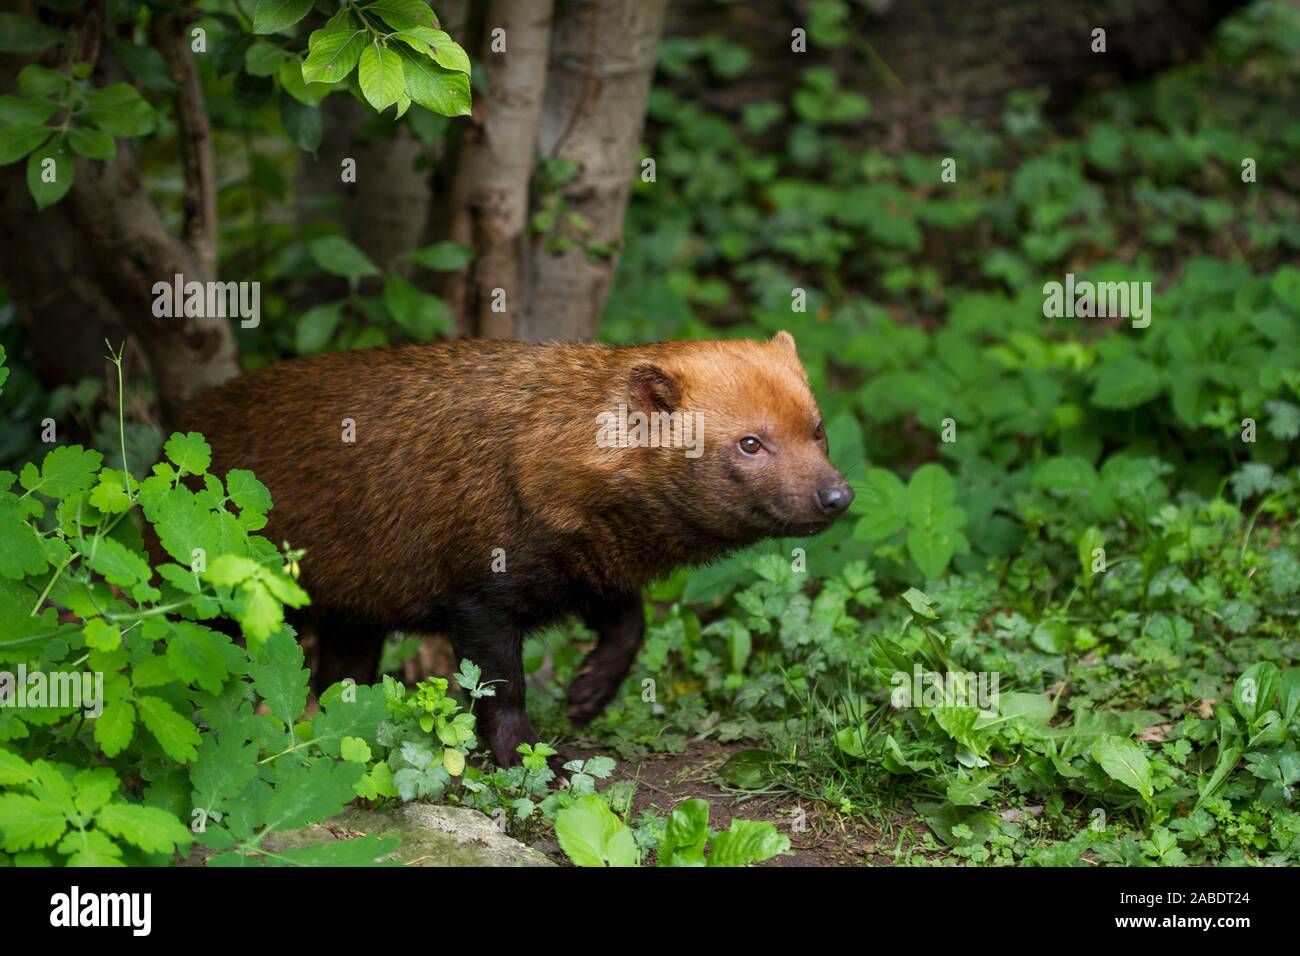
[[346, 649], [620, 625]]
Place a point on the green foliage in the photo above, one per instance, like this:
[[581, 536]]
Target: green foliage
[[130, 731], [592, 835], [386, 53]]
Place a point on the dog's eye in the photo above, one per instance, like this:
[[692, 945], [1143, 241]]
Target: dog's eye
[[818, 432], [750, 445]]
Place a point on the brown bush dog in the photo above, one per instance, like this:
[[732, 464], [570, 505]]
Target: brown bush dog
[[462, 448]]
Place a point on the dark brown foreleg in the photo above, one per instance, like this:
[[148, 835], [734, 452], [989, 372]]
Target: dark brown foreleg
[[619, 624]]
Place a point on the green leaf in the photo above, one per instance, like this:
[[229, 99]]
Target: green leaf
[[90, 848], [881, 499], [119, 110], [442, 91], [66, 469], [1124, 762], [50, 171], [280, 679], [380, 75], [334, 50], [403, 14], [25, 35], [92, 143], [747, 842], [445, 51], [115, 727], [194, 653], [146, 64], [37, 80], [418, 314], [14, 769], [685, 835], [151, 829], [28, 110], [442, 256], [21, 552], [17, 141], [265, 59], [354, 749], [302, 124], [591, 835], [1255, 690], [316, 327], [118, 564], [272, 15], [190, 453], [246, 492], [27, 822], [1126, 382], [175, 734], [340, 257]]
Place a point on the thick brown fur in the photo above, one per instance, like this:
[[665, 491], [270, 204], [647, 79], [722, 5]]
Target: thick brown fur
[[462, 448]]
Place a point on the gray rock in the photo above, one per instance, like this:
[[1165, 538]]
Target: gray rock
[[431, 836]]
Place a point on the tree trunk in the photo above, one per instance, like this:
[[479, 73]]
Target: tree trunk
[[602, 59], [496, 163], [105, 245], [127, 250]]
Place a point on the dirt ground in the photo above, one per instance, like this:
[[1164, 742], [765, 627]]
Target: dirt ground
[[817, 838]]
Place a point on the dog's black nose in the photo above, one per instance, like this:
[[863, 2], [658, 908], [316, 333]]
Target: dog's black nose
[[834, 499]]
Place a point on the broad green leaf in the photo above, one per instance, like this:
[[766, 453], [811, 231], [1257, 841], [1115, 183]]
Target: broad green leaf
[[50, 172], [442, 91], [280, 679], [685, 835], [151, 829], [17, 141], [190, 453], [445, 51], [418, 314], [27, 822], [403, 14], [881, 499], [591, 835], [92, 143], [380, 75], [1124, 762], [316, 327], [747, 842], [442, 256], [115, 727], [340, 257], [117, 563], [334, 50], [194, 653], [66, 469], [177, 736], [119, 110], [270, 16]]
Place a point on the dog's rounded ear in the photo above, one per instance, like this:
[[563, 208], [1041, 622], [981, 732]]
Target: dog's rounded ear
[[652, 389], [785, 340]]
